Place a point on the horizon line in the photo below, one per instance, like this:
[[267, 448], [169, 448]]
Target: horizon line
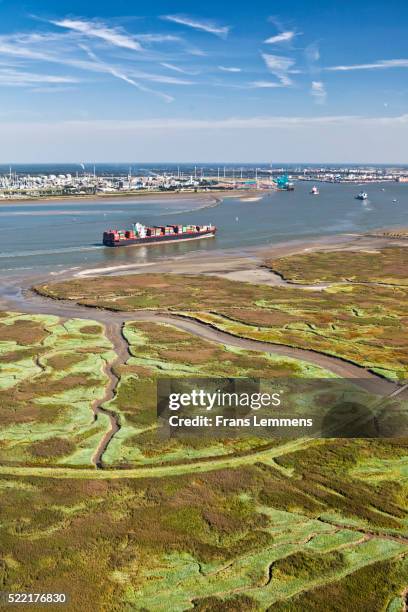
[[220, 163]]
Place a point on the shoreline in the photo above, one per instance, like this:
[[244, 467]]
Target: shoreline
[[235, 264], [214, 195], [245, 265], [246, 192]]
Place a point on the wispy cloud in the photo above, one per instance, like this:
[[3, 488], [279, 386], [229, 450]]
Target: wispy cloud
[[175, 68], [265, 85], [159, 38], [120, 74], [11, 47], [318, 91], [280, 66], [30, 38], [282, 37], [96, 29], [17, 78], [230, 69], [160, 78], [199, 24], [14, 49], [377, 65]]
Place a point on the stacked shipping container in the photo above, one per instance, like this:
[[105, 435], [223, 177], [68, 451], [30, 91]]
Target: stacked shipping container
[[140, 234]]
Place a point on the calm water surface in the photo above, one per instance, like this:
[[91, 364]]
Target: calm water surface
[[57, 236]]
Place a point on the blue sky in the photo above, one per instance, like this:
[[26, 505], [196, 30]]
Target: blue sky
[[117, 81]]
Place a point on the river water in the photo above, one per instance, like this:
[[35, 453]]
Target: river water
[[62, 235]]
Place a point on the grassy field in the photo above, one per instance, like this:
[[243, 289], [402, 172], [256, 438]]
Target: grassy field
[[388, 266], [244, 538], [51, 373]]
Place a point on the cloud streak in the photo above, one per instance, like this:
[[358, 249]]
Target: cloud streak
[[159, 38], [280, 38], [175, 68], [377, 65], [265, 85], [119, 74], [280, 66], [159, 78], [199, 24], [14, 49], [229, 69], [93, 29], [17, 78]]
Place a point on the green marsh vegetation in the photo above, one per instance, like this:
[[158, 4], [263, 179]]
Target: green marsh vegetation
[[234, 539], [362, 323], [320, 527], [388, 266], [51, 373], [160, 350]]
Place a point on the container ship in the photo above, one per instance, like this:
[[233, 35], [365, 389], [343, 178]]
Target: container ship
[[141, 234]]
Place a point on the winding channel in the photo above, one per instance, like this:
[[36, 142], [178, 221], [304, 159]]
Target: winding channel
[[27, 301], [113, 331]]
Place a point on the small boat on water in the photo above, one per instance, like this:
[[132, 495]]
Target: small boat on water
[[314, 190], [362, 196]]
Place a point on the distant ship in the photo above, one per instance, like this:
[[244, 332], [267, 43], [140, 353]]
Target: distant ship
[[283, 183], [362, 196], [314, 190], [141, 235]]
